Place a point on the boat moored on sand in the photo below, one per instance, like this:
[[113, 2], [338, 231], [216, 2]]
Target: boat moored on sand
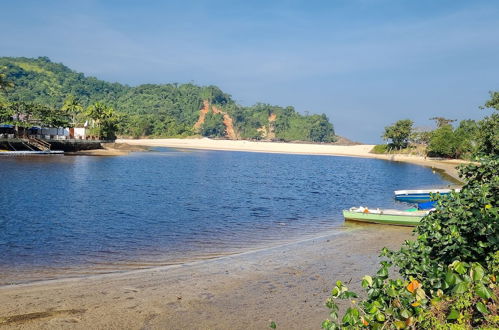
[[411, 217], [421, 195]]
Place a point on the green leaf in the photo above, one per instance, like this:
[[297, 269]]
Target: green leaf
[[325, 325], [347, 318], [383, 272], [460, 267], [482, 291], [273, 325], [348, 295], [367, 281], [405, 314], [391, 292], [450, 279], [380, 317], [399, 324], [477, 273], [461, 287], [453, 315], [480, 306]]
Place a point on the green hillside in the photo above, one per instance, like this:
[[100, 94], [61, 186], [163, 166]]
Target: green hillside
[[159, 109]]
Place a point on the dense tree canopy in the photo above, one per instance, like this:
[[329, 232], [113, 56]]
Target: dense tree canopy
[[399, 133], [151, 109], [468, 140], [213, 125]]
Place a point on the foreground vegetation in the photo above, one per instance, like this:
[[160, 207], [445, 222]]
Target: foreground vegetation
[[468, 139], [167, 110], [448, 275]]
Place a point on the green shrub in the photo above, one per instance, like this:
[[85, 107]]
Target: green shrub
[[449, 273], [443, 142], [380, 149], [399, 133]]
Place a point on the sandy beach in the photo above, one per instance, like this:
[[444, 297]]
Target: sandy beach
[[361, 150], [288, 284]]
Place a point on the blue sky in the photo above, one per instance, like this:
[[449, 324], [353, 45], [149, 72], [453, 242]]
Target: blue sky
[[364, 63]]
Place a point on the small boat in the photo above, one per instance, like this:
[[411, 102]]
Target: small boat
[[420, 196], [409, 217], [427, 205]]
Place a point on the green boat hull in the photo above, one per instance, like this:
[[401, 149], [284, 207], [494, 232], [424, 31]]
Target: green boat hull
[[389, 219]]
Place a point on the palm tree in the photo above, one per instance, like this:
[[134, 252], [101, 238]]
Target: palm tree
[[104, 119], [21, 111], [72, 108], [95, 111]]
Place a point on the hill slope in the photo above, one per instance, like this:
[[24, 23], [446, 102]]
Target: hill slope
[[161, 109]]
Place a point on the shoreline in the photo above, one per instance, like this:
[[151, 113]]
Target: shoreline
[[342, 229], [345, 229], [288, 283], [110, 149], [361, 150]]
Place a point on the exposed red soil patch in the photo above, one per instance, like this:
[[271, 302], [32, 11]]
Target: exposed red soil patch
[[227, 119]]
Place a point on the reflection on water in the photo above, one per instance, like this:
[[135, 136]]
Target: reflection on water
[[72, 215]]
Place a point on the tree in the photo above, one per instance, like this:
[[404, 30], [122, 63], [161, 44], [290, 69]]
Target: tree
[[5, 112], [50, 117], [72, 108], [4, 83], [420, 136], [442, 121], [443, 142], [399, 133], [493, 102], [213, 125], [160, 110], [104, 120], [19, 111], [321, 130], [488, 128], [109, 123], [466, 135], [447, 142]]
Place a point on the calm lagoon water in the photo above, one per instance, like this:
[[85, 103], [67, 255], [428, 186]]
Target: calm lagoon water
[[74, 215]]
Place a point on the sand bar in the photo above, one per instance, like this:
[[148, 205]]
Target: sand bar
[[361, 150], [287, 283]]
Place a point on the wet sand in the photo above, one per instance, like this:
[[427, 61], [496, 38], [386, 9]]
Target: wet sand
[[288, 284], [361, 150], [110, 149]]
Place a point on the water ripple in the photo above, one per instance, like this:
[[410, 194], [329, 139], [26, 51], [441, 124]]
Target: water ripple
[[78, 215]]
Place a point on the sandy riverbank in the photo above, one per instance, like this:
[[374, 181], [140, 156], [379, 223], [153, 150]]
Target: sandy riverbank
[[361, 150], [111, 149], [288, 284]]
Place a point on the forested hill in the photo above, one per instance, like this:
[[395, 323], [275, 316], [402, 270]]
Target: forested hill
[[160, 110]]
